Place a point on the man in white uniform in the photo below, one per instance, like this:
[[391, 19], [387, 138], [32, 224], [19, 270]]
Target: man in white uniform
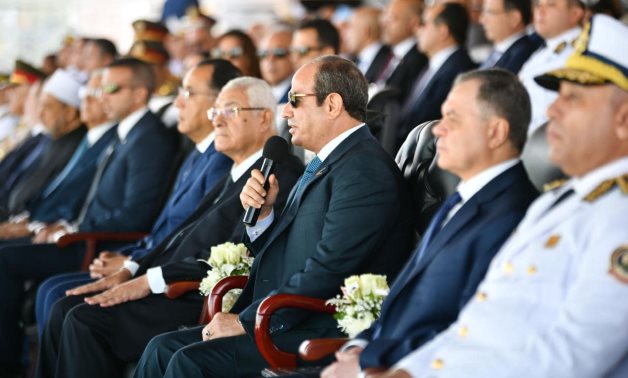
[[554, 301]]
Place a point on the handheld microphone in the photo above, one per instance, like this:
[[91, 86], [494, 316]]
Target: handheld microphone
[[275, 151]]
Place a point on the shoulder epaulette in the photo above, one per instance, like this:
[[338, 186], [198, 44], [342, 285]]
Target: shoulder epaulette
[[606, 186], [554, 185]]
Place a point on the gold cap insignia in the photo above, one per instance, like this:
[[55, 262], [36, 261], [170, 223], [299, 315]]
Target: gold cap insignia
[[552, 241], [619, 264]]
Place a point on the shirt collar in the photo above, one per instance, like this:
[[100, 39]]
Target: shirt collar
[[332, 144], [125, 125], [586, 184], [568, 37], [280, 89], [437, 61], [470, 187], [205, 143], [96, 132], [504, 45], [238, 170], [401, 49], [367, 55]]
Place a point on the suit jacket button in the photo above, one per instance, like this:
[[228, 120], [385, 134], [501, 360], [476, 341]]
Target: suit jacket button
[[481, 296], [532, 270]]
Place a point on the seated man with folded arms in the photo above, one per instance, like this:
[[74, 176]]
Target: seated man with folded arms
[[348, 215], [553, 301], [480, 138], [199, 174], [114, 326]]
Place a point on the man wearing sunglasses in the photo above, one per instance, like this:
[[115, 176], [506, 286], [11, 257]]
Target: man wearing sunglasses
[[312, 39], [326, 233], [275, 63]]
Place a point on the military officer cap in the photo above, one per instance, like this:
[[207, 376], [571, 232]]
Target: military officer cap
[[24, 73], [599, 57], [150, 52], [149, 31]]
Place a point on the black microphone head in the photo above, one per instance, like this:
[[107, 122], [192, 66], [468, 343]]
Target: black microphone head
[[276, 149]]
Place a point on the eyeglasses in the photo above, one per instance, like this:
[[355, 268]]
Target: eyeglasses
[[85, 92], [293, 98], [186, 94], [234, 53], [278, 52], [113, 88], [304, 50], [229, 113]]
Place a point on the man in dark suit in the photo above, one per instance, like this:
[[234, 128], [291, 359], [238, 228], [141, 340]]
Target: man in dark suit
[[505, 23], [60, 116], [64, 195], [327, 232], [362, 40], [216, 220], [481, 136], [401, 18], [127, 190], [275, 63], [441, 37], [203, 169]]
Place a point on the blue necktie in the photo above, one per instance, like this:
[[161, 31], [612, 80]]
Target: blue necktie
[[491, 60], [74, 160], [436, 223], [310, 170]]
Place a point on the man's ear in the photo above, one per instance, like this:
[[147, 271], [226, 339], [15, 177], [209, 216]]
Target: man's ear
[[498, 130], [267, 119], [334, 105], [621, 121]]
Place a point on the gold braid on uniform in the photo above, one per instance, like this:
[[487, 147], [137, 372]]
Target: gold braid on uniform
[[554, 184], [606, 186]]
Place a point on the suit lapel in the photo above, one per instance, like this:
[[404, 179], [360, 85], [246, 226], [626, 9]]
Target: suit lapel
[[291, 212]]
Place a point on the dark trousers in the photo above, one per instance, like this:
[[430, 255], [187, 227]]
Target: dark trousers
[[18, 264], [91, 341], [184, 354]]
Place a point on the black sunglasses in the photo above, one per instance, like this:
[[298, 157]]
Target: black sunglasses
[[278, 52], [234, 53], [293, 98], [304, 50]]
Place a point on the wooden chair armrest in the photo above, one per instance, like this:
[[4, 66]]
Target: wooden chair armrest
[[275, 357], [220, 289], [91, 239], [176, 289], [315, 349]]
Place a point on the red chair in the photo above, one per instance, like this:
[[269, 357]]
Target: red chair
[[92, 239]]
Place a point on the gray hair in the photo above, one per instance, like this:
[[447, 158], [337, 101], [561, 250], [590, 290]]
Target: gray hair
[[258, 93]]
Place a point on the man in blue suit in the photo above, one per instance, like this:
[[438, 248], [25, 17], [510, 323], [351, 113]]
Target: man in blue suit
[[125, 194], [441, 37], [505, 23], [481, 136], [63, 197], [346, 215]]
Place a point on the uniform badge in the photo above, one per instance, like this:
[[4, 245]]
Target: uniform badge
[[619, 264], [552, 241]]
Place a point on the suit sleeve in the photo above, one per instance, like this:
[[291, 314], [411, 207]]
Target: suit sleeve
[[362, 209]]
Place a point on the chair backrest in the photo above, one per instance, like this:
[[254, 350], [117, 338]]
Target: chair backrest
[[535, 159], [383, 116], [429, 185]]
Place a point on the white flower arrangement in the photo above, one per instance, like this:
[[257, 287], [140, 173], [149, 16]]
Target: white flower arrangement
[[361, 302], [227, 259]]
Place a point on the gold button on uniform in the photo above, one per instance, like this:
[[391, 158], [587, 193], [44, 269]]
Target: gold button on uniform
[[463, 331], [508, 268], [532, 270], [437, 364], [481, 296]]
